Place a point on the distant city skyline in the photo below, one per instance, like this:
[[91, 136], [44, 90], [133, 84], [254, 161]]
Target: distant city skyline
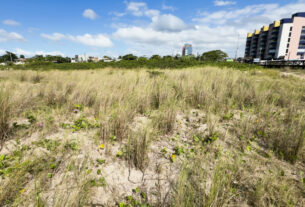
[[144, 28]]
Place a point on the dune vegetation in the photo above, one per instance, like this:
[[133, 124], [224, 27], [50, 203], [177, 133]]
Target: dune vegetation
[[201, 136]]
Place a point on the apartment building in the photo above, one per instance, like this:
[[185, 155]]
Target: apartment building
[[187, 50], [284, 39]]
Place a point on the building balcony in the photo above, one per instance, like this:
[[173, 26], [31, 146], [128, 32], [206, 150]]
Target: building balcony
[[302, 50]]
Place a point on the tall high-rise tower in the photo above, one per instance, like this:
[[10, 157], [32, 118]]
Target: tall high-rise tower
[[187, 50]]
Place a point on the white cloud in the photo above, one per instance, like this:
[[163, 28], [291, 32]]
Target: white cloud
[[224, 3], [135, 6], [202, 38], [10, 36], [250, 17], [152, 13], [168, 22], [140, 9], [118, 14], [98, 40], [166, 34], [224, 16], [90, 14], [10, 22], [166, 7], [20, 51], [2, 52], [54, 36]]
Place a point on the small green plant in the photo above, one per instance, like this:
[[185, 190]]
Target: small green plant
[[196, 138], [212, 138], [249, 148], [228, 116], [49, 144], [70, 167], [123, 204], [2, 162], [50, 175], [31, 118], [143, 195], [119, 153], [52, 166], [179, 150], [65, 125], [164, 150], [136, 190], [89, 171], [71, 145], [133, 202], [100, 161], [113, 138], [98, 172], [101, 182], [20, 126], [82, 123]]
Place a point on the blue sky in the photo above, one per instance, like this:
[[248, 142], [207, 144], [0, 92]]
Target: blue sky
[[103, 27]]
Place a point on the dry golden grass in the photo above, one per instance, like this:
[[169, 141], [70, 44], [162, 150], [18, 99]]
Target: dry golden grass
[[260, 112]]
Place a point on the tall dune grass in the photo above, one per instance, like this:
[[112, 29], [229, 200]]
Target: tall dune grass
[[254, 107]]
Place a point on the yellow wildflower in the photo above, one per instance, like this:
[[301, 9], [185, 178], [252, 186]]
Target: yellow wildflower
[[173, 157], [102, 146], [22, 191]]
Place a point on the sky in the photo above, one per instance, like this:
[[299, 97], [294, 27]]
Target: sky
[[144, 28]]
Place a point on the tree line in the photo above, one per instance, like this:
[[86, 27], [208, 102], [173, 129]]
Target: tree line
[[215, 55], [12, 57], [128, 61]]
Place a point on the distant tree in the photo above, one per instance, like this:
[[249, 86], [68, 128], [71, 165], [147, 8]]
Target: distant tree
[[50, 58], [142, 59], [9, 56], [21, 56], [177, 56], [214, 55], [129, 57], [107, 57], [188, 58], [38, 58], [155, 57], [167, 57]]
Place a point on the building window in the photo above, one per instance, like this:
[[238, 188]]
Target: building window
[[290, 29], [288, 39], [286, 51], [288, 45], [290, 34]]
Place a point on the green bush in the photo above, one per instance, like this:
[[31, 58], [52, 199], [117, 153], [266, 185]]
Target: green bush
[[153, 63]]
